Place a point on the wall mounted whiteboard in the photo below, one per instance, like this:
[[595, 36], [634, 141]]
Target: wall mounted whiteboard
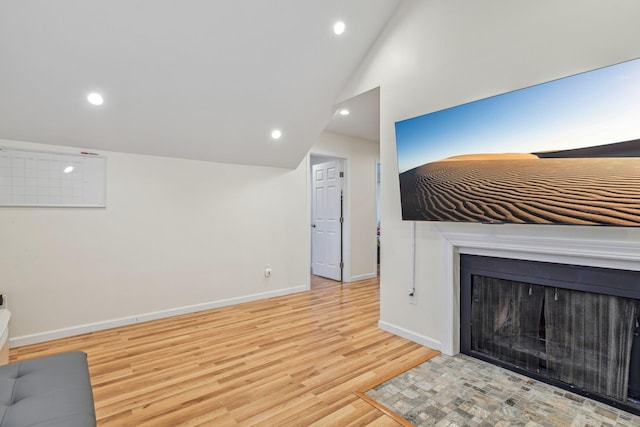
[[33, 178]]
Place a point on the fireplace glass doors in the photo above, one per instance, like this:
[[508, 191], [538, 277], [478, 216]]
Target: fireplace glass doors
[[554, 331]]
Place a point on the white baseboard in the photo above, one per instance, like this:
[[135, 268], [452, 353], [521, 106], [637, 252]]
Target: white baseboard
[[131, 320], [411, 336], [363, 277]]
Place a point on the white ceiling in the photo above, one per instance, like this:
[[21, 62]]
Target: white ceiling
[[363, 120], [197, 79]]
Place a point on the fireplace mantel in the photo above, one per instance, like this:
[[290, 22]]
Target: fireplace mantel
[[590, 252]]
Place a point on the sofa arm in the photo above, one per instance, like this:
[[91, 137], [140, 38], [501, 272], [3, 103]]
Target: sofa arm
[[51, 391]]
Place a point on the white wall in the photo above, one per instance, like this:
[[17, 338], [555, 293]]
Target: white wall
[[176, 236], [360, 156], [440, 53]]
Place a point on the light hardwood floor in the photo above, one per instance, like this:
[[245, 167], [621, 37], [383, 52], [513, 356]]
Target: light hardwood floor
[[295, 360]]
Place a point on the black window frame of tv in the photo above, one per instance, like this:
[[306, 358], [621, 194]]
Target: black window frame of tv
[[561, 152]]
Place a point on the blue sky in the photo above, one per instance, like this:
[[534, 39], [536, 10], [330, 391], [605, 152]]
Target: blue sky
[[592, 108]]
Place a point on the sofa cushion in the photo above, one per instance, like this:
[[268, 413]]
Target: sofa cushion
[[51, 391]]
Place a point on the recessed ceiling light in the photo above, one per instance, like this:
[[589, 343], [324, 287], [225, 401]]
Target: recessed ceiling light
[[344, 112], [276, 134], [95, 98], [339, 27], [68, 169]]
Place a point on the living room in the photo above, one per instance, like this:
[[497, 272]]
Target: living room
[[174, 226]]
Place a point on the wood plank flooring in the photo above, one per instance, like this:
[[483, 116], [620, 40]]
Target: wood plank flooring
[[295, 360]]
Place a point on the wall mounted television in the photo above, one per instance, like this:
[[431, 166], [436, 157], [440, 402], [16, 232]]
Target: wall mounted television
[[562, 152]]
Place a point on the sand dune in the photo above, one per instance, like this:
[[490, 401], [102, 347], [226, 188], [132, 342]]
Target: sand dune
[[525, 190], [492, 156]]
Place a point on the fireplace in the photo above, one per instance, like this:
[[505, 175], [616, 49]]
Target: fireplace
[[572, 326]]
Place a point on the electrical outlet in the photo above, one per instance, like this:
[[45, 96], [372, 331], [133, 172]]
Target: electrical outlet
[[267, 271], [412, 296]]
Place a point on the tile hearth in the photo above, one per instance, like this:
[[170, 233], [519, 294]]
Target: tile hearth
[[462, 391]]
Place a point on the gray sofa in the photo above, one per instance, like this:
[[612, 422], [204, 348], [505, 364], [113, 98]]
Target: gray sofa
[[50, 391]]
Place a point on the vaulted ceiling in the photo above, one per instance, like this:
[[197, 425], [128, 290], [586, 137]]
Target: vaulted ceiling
[[196, 79]]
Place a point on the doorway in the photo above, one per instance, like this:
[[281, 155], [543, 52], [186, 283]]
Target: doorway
[[327, 217], [378, 215]]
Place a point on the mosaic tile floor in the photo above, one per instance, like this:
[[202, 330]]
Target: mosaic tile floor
[[462, 391]]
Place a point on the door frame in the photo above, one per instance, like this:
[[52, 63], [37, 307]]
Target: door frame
[[346, 209]]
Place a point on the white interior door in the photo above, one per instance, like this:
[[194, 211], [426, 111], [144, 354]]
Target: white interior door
[[326, 220]]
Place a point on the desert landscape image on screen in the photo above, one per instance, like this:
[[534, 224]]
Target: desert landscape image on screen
[[561, 152]]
